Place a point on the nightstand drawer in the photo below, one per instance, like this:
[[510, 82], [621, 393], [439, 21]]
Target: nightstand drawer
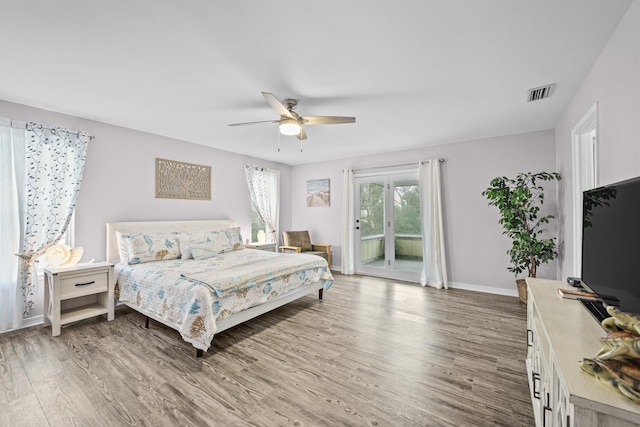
[[83, 284]]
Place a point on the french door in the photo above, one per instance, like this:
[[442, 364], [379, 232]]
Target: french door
[[388, 233]]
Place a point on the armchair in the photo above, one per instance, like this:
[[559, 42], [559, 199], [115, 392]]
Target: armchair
[[300, 242]]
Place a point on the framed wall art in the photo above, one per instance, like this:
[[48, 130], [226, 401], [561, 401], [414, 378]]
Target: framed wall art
[[180, 180], [318, 193]]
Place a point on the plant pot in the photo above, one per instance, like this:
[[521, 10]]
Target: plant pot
[[522, 290]]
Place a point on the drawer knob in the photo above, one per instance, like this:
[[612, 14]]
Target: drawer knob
[[85, 284]]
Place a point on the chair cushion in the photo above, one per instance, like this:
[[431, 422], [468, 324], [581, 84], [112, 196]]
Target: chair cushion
[[300, 239], [321, 254]]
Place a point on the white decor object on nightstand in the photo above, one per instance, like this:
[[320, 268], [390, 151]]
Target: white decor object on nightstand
[[269, 247], [66, 291], [62, 256]]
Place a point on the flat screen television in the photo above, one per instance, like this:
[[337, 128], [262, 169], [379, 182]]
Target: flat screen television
[[611, 243]]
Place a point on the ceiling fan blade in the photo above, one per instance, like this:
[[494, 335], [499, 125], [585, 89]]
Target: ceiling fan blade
[[277, 105], [302, 135], [327, 120], [253, 123]]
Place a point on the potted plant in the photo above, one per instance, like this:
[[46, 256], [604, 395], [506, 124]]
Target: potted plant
[[519, 200]]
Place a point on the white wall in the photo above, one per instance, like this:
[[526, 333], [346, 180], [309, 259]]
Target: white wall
[[614, 83], [119, 179], [476, 249]]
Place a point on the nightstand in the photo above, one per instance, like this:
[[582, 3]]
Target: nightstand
[[269, 247], [68, 292]]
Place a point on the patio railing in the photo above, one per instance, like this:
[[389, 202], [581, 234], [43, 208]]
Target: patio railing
[[408, 246]]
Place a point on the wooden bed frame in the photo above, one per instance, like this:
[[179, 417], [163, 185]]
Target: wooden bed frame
[[191, 226]]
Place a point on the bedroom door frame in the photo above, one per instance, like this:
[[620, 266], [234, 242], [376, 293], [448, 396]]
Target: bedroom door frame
[[584, 139], [389, 268]]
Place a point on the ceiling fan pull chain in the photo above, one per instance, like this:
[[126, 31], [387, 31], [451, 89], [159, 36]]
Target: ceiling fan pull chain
[[278, 132], [301, 146]]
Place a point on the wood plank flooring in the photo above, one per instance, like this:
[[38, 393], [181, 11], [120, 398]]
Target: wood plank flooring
[[373, 352]]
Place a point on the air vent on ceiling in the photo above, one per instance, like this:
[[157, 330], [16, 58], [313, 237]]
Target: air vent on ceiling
[[538, 93]]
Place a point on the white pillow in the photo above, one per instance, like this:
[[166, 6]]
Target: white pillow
[[204, 251], [150, 247], [186, 241], [220, 241], [123, 248]]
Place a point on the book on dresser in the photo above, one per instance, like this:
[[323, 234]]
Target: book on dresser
[[577, 294]]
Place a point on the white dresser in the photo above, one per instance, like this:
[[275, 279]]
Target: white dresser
[[560, 333]]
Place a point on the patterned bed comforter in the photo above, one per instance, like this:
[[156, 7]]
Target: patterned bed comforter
[[191, 295]]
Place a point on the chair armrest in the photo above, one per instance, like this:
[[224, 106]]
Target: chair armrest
[[323, 247], [283, 248]]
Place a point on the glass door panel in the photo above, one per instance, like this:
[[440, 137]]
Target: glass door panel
[[370, 227], [407, 228]]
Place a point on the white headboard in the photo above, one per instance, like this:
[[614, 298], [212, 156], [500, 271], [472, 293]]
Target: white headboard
[[157, 227]]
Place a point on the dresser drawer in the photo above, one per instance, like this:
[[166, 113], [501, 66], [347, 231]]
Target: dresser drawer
[[83, 284]]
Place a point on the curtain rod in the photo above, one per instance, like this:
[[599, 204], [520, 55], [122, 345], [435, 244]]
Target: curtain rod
[[395, 166], [20, 124], [38, 126]]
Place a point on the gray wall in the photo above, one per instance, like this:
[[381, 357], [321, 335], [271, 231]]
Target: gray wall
[[614, 83], [476, 249]]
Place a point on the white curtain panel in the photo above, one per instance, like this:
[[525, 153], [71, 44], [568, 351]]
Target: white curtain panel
[[55, 161], [12, 192], [434, 266], [348, 219], [264, 188]]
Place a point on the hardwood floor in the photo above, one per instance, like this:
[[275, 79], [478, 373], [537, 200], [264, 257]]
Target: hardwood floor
[[373, 352]]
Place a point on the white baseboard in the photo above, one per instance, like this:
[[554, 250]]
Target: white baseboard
[[468, 287], [33, 321], [27, 323], [485, 289]]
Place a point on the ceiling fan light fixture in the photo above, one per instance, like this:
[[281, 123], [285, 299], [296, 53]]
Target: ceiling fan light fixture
[[289, 127]]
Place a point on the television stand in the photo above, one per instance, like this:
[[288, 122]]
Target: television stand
[[596, 309], [560, 334]]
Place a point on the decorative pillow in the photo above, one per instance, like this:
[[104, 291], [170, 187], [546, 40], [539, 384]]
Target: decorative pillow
[[235, 239], [123, 248], [225, 240], [201, 251], [186, 241], [154, 247], [190, 239]]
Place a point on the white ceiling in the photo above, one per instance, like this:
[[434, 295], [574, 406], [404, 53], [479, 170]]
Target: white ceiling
[[414, 73]]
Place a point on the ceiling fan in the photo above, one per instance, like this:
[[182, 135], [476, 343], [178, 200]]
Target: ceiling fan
[[290, 123]]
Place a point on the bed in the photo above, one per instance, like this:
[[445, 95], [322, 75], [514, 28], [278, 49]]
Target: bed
[[197, 278]]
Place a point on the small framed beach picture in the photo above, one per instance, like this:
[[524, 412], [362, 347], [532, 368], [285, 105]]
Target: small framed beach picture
[[318, 193]]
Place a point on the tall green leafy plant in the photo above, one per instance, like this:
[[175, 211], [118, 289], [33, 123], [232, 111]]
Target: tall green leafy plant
[[519, 200]]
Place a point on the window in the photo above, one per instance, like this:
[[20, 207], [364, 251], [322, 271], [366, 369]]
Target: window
[[36, 160], [256, 223], [264, 188]]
